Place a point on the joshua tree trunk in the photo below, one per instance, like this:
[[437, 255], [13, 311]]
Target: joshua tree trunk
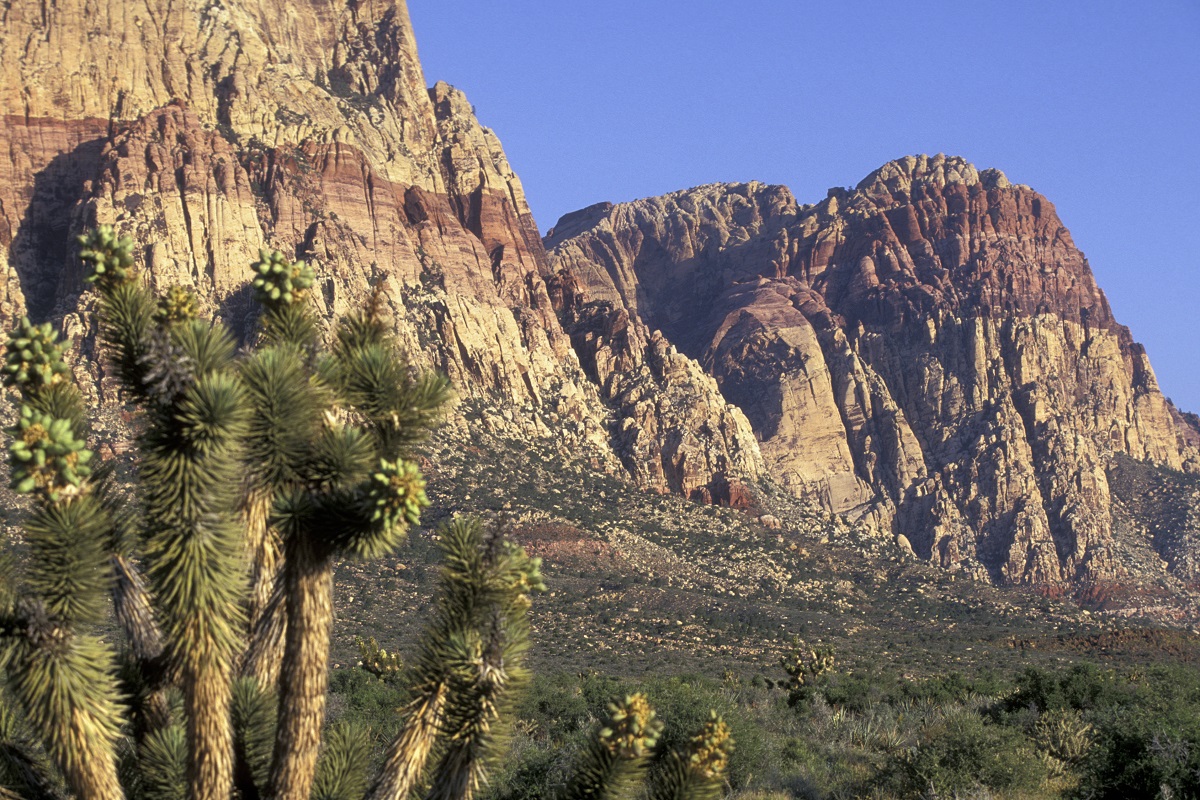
[[407, 755], [131, 605], [67, 691], [266, 612], [90, 779], [304, 676], [207, 698]]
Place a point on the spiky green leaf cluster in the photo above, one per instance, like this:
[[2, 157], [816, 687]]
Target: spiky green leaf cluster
[[33, 357], [468, 667], [709, 750], [110, 257], [697, 770], [342, 770], [65, 683], [278, 281], [254, 725], [69, 566], [397, 493], [323, 437], [806, 670], [23, 764], [614, 765], [46, 455], [179, 304], [162, 763]]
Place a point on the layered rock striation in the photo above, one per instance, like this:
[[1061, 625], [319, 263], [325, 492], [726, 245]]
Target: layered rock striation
[[928, 351], [207, 129]]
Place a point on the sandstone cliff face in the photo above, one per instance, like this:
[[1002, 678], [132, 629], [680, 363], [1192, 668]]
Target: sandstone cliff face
[[928, 351], [209, 128]]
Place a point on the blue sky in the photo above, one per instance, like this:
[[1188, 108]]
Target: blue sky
[[1093, 104]]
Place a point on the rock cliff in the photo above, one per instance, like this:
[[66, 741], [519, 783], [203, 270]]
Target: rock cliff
[[928, 351], [209, 128]]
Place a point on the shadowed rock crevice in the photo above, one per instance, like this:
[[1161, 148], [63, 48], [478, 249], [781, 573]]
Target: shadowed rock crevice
[[43, 250]]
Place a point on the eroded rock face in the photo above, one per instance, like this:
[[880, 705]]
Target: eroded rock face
[[209, 129], [928, 351]]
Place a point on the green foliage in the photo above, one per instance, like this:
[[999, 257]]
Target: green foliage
[[614, 765], [397, 493], [69, 566], [33, 357], [961, 753], [1083, 687], [110, 258], [46, 456], [24, 767], [177, 305], [65, 684], [1064, 737], [279, 282], [322, 440], [162, 764], [1146, 741], [378, 662], [806, 670], [469, 665], [342, 770], [697, 771], [254, 726]]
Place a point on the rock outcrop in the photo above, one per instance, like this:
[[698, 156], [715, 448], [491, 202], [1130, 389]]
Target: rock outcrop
[[209, 128], [928, 351]]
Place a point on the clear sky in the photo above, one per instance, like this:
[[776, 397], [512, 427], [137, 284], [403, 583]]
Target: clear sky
[[1093, 104]]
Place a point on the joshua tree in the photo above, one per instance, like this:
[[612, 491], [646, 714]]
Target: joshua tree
[[807, 670], [282, 457]]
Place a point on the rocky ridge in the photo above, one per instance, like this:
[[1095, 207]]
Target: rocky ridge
[[927, 352], [209, 128]]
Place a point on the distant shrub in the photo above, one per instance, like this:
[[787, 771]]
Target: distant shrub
[[1143, 752], [962, 753]]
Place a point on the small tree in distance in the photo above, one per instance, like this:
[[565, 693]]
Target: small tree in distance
[[256, 470]]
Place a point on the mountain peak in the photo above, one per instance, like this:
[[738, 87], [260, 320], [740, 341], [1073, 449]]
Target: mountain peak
[[902, 175]]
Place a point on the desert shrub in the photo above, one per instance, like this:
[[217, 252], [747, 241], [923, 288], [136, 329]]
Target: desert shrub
[[1143, 752], [962, 753], [1083, 687]]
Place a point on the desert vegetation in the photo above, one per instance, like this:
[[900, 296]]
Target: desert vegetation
[[1080, 732], [255, 470]]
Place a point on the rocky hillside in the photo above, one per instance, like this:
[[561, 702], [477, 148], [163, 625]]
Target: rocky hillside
[[209, 128], [928, 352]]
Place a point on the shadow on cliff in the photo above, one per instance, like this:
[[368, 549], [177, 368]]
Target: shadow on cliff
[[43, 249], [240, 312]]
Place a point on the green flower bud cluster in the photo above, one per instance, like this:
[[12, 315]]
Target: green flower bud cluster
[[708, 751], [34, 357], [397, 492], [279, 281], [111, 257], [178, 305], [632, 730], [46, 456]]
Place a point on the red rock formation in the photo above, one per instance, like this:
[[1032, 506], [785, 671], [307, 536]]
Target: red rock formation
[[207, 130], [929, 351]]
